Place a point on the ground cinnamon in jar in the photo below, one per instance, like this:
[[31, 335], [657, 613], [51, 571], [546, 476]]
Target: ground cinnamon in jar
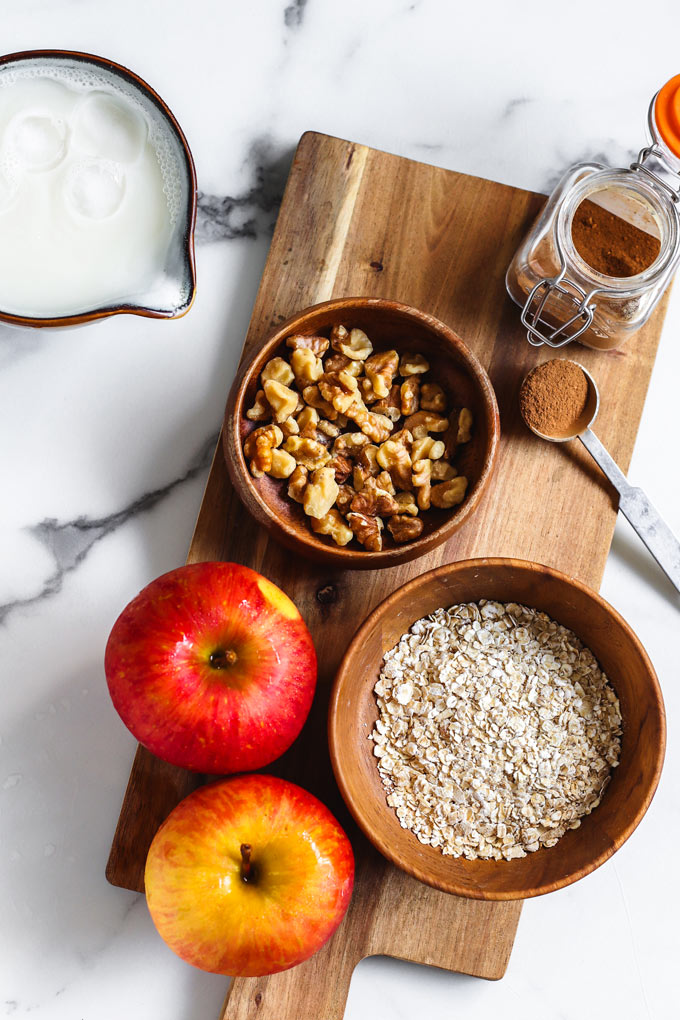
[[553, 398], [610, 245]]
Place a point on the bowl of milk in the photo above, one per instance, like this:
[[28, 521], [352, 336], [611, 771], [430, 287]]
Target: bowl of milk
[[97, 194]]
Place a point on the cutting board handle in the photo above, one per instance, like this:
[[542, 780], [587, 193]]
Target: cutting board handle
[[314, 990]]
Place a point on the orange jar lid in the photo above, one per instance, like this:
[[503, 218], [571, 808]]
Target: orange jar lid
[[667, 114]]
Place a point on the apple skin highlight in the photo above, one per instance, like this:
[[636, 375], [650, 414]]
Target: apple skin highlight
[[212, 668], [299, 888]]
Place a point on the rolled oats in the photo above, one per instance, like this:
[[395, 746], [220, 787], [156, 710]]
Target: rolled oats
[[497, 730]]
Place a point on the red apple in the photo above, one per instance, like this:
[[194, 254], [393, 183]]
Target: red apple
[[248, 876], [212, 668]]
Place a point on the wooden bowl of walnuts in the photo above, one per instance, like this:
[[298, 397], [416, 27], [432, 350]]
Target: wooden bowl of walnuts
[[444, 777], [363, 433]]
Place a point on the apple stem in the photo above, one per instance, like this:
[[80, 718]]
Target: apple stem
[[221, 659], [246, 865]]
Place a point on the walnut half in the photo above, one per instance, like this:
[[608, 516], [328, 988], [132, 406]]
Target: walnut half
[[307, 452], [380, 371], [394, 456], [404, 529], [306, 366], [321, 492], [448, 494], [260, 411], [316, 344], [258, 448], [367, 530], [376, 426], [283, 464], [282, 400], [353, 344], [333, 524], [297, 483], [279, 370], [374, 501]]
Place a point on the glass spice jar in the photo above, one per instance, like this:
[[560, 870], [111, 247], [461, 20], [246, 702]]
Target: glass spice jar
[[562, 296]]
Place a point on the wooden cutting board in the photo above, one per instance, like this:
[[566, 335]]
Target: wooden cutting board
[[355, 221]]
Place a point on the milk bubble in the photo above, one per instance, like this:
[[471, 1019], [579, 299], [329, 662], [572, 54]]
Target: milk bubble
[[37, 140], [94, 189], [108, 127]]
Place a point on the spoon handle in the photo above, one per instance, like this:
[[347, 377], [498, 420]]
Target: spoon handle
[[640, 512]]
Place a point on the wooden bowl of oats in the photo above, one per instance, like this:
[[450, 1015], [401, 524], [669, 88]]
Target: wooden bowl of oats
[[501, 712], [363, 433]]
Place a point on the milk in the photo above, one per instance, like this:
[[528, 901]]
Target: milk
[[89, 193]]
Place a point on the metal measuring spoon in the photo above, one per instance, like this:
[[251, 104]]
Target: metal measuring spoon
[[633, 503]]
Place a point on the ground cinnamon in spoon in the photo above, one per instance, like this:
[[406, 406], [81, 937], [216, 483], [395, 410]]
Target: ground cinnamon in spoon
[[610, 245], [553, 397]]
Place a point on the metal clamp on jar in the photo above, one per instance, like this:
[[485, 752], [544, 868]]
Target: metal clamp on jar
[[563, 297]]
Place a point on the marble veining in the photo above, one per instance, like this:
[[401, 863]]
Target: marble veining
[[254, 211], [294, 13], [513, 105], [614, 155], [69, 542]]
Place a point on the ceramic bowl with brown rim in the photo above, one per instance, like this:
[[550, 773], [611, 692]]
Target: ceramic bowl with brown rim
[[171, 293], [388, 324], [353, 713]]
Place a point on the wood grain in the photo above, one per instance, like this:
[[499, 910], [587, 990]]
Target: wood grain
[[357, 221]]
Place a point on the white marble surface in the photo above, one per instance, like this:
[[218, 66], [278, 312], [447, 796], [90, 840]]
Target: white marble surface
[[106, 435]]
